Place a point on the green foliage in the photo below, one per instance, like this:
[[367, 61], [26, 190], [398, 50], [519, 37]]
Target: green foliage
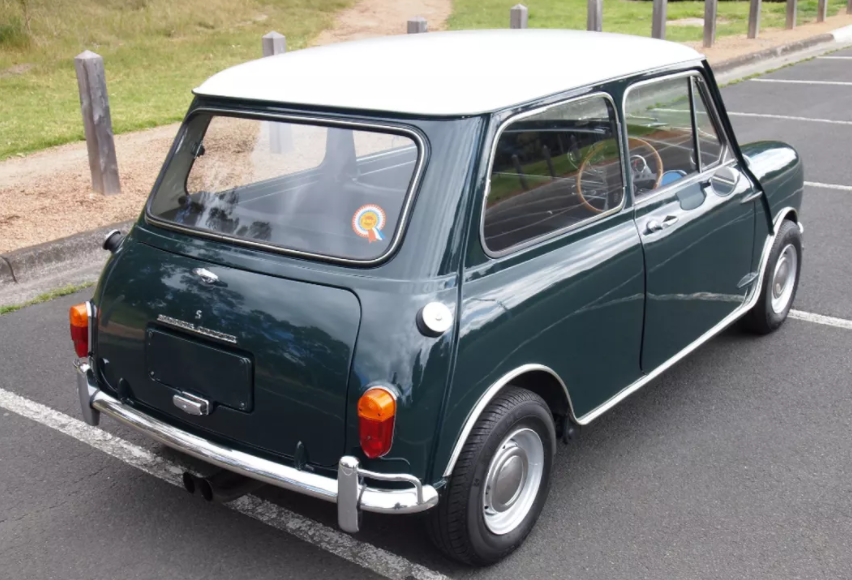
[[155, 52], [13, 34], [630, 17], [47, 296]]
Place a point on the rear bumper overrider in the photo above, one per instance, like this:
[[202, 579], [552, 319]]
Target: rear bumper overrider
[[348, 491]]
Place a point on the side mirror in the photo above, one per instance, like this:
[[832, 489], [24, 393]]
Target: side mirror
[[725, 180]]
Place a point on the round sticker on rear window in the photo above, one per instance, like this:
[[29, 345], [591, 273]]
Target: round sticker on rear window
[[368, 222]]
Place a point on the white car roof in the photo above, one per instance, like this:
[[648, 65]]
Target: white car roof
[[445, 73]]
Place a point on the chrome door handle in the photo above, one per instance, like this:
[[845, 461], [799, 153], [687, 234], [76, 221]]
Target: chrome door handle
[[670, 221], [652, 226]]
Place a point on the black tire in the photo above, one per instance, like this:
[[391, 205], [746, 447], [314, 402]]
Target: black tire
[[457, 524], [762, 318]]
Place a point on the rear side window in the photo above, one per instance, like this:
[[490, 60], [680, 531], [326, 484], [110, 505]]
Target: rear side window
[[322, 190], [660, 137], [552, 170]]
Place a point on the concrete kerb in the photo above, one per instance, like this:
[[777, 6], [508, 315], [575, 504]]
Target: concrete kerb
[[50, 258], [773, 52], [771, 58]]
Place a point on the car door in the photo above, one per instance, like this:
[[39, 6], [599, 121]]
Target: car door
[[555, 275], [694, 212]]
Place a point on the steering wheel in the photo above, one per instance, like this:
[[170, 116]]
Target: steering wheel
[[591, 178]]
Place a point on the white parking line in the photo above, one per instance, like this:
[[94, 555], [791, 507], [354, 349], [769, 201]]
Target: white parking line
[[828, 186], [786, 118], [835, 83], [820, 319], [329, 539], [834, 57]]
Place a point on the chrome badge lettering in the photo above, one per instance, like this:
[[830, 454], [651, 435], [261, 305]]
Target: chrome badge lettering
[[196, 329]]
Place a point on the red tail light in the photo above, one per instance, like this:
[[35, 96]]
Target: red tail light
[[376, 415], [79, 316]]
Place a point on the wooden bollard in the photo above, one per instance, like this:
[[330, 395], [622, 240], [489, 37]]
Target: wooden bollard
[[822, 9], [94, 104], [594, 17], [754, 19], [274, 43], [658, 19], [518, 16], [280, 134], [417, 25], [710, 7], [791, 14]]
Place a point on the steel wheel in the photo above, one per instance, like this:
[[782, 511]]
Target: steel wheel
[[499, 484], [784, 278], [779, 282], [513, 480]]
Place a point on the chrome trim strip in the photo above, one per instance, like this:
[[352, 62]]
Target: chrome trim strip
[[190, 327], [91, 320], [402, 222], [418, 498], [491, 392], [486, 397], [544, 237]]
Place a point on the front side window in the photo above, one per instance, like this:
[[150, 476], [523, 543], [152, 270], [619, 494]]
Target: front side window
[[709, 144], [553, 170], [660, 138], [330, 191]]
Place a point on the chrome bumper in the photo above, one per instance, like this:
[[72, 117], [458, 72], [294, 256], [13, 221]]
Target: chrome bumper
[[348, 490]]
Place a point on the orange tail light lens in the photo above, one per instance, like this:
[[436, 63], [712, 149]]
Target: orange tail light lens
[[376, 416], [79, 316]]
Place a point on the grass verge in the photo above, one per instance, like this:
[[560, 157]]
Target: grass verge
[[46, 297], [155, 52], [632, 17]]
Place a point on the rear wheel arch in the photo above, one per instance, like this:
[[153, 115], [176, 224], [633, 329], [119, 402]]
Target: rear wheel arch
[[547, 385], [536, 378]]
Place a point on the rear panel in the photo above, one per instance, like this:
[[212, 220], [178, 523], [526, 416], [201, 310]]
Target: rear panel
[[272, 355]]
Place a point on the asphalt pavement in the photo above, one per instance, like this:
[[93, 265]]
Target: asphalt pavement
[[737, 463]]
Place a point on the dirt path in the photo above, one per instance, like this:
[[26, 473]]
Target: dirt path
[[383, 18], [48, 195]]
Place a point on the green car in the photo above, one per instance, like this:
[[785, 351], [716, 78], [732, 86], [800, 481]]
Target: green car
[[394, 274]]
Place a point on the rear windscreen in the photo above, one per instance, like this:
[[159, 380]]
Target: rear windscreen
[[324, 190]]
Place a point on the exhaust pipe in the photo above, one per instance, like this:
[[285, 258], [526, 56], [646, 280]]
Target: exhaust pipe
[[221, 487]]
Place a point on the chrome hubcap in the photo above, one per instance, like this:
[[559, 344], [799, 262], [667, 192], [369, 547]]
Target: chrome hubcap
[[513, 480], [784, 278]]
